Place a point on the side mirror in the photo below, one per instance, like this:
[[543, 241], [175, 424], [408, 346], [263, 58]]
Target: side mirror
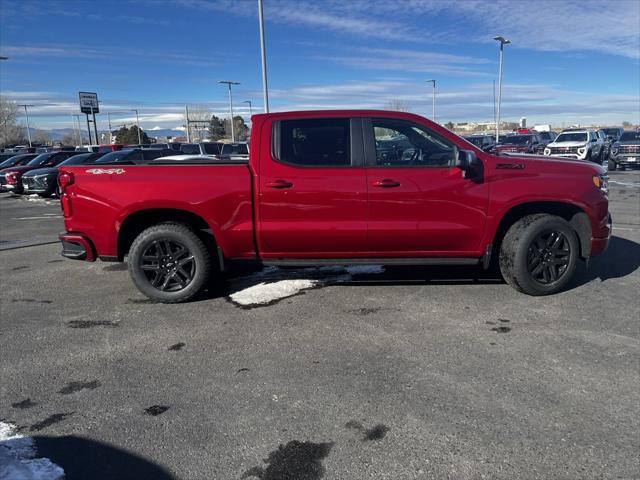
[[466, 159]]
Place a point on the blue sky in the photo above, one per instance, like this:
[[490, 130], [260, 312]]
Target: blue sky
[[570, 61]]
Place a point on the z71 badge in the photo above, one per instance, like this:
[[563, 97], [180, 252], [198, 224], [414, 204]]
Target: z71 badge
[[100, 171]]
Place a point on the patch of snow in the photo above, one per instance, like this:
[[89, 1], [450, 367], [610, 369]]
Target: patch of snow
[[18, 458], [265, 293], [272, 283]]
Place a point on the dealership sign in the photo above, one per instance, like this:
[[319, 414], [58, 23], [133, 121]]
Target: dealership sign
[[89, 102]]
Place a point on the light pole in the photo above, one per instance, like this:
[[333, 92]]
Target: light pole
[[250, 109], [229, 83], [27, 115], [503, 41], [77, 117], [138, 124], [433, 100], [263, 56]]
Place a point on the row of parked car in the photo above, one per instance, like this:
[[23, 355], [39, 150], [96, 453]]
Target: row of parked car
[[616, 147], [33, 171]]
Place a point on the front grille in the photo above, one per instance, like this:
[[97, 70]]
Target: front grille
[[629, 149], [35, 183], [561, 150]]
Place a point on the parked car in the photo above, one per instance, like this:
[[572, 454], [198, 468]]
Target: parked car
[[13, 175], [44, 181], [14, 161], [133, 156], [486, 143], [626, 151], [316, 192], [577, 144], [518, 143]]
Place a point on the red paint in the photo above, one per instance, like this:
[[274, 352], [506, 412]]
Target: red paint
[[334, 212]]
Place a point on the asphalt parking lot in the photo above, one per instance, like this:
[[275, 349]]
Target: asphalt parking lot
[[395, 374]]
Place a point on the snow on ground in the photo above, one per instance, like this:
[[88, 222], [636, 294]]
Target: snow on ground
[[265, 293], [18, 458], [275, 284]]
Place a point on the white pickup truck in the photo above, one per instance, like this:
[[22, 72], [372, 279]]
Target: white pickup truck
[[577, 144]]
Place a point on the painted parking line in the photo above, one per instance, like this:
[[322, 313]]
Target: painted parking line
[[626, 184]]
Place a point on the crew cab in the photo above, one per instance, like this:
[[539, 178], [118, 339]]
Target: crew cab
[[577, 144], [338, 188]]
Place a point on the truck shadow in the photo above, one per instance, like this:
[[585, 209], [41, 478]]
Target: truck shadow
[[82, 458], [621, 259]]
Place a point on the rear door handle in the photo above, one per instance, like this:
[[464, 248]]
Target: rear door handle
[[279, 184], [386, 183]]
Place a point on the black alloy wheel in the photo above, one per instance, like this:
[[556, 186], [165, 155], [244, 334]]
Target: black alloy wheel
[[548, 257], [169, 262], [168, 265]]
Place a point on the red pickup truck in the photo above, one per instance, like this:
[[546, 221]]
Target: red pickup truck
[[339, 188]]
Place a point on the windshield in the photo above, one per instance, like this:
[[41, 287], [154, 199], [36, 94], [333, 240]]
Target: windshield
[[39, 160], [114, 157], [611, 132], [630, 137], [189, 148], [571, 137], [515, 139], [16, 160], [80, 159]]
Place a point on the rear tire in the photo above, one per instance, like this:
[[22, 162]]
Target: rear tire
[[539, 254], [611, 165], [169, 263]]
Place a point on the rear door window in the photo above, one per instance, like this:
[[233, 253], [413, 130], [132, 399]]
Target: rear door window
[[318, 142]]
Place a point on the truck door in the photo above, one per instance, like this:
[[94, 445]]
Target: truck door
[[419, 201], [312, 191]]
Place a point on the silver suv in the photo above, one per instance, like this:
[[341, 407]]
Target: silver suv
[[577, 144]]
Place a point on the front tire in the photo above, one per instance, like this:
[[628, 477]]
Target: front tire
[[611, 165], [539, 254], [169, 263]]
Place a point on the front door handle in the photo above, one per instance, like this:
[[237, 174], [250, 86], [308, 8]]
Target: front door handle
[[280, 184], [386, 183]]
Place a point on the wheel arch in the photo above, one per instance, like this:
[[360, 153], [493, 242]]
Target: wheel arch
[[572, 213], [138, 221]]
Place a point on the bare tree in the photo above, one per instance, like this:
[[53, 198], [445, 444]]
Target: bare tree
[[41, 137], [9, 130], [69, 139], [398, 105]]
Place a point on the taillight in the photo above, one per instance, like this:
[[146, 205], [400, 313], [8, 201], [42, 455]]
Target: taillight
[[64, 180]]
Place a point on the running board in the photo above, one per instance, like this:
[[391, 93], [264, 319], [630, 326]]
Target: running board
[[311, 262]]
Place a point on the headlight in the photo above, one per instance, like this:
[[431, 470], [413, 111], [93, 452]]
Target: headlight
[[547, 151], [614, 150], [601, 181]]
